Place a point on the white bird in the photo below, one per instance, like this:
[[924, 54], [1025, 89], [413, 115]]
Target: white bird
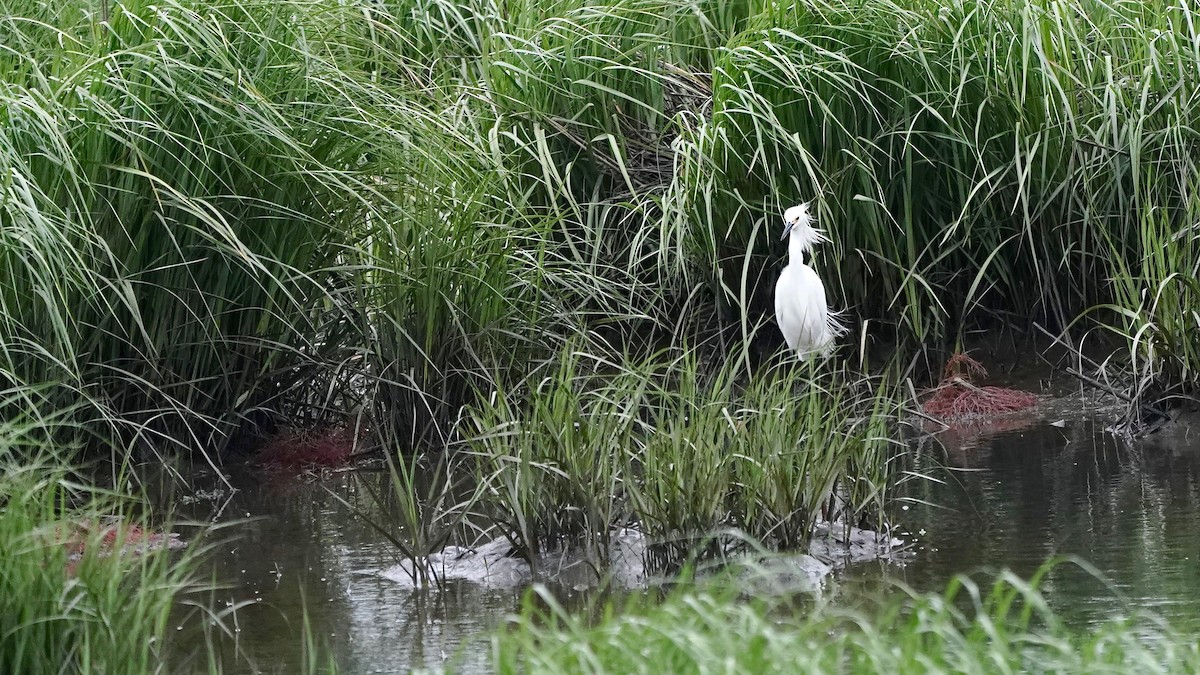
[[800, 306]]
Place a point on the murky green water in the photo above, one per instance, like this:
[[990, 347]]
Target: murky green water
[[1020, 497], [1011, 498], [299, 549]]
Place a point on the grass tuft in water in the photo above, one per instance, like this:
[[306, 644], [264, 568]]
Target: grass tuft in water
[[682, 450]]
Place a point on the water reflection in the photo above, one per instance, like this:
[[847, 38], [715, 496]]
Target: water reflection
[[300, 549], [1022, 496]]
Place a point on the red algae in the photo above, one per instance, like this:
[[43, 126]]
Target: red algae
[[957, 397], [299, 450]]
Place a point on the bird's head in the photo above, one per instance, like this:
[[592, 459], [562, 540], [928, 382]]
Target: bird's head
[[798, 222]]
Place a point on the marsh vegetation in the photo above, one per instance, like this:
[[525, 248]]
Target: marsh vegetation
[[524, 251]]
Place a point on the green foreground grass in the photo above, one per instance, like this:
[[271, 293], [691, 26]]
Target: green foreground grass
[[1004, 628], [67, 603]]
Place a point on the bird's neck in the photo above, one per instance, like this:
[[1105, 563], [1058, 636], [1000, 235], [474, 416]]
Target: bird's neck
[[797, 247], [803, 239]]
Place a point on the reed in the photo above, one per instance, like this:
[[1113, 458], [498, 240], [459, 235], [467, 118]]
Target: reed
[[1156, 303], [178, 187], [973, 161], [218, 214]]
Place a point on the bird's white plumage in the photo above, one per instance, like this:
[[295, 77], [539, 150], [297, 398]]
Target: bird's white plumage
[[801, 308]]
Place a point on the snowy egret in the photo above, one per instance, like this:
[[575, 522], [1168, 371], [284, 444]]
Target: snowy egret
[[800, 306]]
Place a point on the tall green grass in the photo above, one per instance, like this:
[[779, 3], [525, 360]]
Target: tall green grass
[[178, 186], [973, 161], [217, 214], [1157, 303]]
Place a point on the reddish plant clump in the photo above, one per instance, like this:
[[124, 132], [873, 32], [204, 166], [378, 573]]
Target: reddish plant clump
[[297, 450], [956, 397], [116, 536]]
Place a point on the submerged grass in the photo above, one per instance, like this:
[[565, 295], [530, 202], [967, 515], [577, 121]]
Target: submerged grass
[[1006, 627]]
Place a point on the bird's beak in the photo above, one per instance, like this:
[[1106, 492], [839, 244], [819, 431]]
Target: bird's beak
[[787, 229]]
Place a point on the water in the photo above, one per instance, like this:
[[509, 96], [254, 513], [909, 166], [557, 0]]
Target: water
[[296, 549], [1011, 496], [1022, 496]]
